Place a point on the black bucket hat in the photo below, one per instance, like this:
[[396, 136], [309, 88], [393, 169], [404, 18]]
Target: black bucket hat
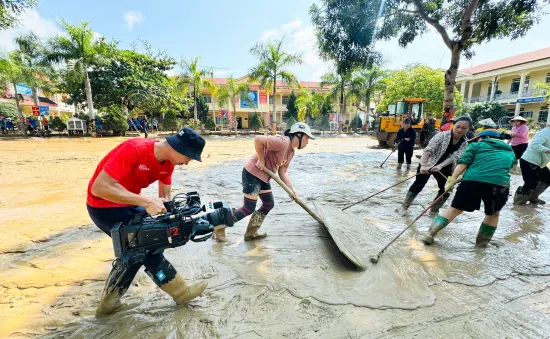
[[188, 143]]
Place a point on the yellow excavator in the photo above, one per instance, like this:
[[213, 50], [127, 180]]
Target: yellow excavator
[[407, 108]]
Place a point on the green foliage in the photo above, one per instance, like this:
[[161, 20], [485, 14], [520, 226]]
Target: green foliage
[[486, 110], [9, 110], [291, 106], [256, 122], [193, 79], [230, 92], [171, 121], [533, 125], [84, 116], [489, 20], [337, 83], [290, 121], [202, 109], [210, 124], [345, 30], [356, 123], [418, 81], [58, 124], [326, 107], [9, 10], [114, 119], [194, 124]]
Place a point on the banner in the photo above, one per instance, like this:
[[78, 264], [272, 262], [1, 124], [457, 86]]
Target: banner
[[23, 89], [35, 111], [45, 110], [263, 98], [252, 101]]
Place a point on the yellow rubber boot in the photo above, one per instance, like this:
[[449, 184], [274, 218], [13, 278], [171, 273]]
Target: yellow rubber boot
[[256, 220], [180, 291], [219, 233]]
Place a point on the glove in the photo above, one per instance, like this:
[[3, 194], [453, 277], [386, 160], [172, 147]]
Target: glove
[[450, 184]]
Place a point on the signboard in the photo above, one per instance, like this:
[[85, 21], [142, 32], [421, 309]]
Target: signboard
[[252, 101], [21, 119], [45, 110], [263, 98], [35, 111], [23, 89], [526, 100]]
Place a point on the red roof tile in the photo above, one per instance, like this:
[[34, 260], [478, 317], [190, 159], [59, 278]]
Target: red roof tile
[[508, 62]]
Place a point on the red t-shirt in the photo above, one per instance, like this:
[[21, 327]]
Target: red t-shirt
[[134, 166]]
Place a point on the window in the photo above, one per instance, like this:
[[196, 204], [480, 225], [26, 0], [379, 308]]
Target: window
[[543, 116], [221, 121], [547, 78], [526, 85], [491, 87], [207, 98], [285, 99], [271, 99], [511, 112], [514, 87], [527, 115]]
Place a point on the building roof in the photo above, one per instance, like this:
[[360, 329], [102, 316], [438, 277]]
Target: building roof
[[308, 84], [508, 62]]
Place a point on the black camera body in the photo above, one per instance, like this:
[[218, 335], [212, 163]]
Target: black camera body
[[135, 240]]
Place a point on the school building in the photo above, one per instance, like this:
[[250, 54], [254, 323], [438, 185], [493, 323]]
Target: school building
[[261, 101], [510, 82]]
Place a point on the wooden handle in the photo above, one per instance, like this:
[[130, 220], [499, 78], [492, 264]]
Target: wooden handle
[[289, 191]]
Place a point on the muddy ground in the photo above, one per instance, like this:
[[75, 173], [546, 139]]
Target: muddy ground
[[294, 283]]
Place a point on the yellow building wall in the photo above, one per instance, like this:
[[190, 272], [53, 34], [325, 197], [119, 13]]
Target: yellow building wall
[[244, 116]]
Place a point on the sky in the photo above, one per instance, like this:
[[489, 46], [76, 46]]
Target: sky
[[221, 32]]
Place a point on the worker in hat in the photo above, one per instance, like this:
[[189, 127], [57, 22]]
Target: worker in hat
[[439, 158], [534, 169], [114, 196], [487, 164], [520, 136], [274, 153]]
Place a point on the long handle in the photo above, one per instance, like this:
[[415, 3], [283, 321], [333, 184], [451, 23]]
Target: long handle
[[289, 191], [375, 259], [372, 195], [389, 155]]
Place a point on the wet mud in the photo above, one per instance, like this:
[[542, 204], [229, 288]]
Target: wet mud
[[295, 283]]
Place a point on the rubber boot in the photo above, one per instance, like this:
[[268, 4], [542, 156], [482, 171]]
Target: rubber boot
[[409, 198], [117, 284], [435, 208], [171, 282], [399, 165], [534, 196], [180, 291], [437, 225], [219, 233], [408, 167], [485, 234], [521, 197], [256, 220]]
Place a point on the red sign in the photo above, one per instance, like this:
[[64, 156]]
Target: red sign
[[254, 87], [21, 119], [36, 111], [220, 113], [263, 98]]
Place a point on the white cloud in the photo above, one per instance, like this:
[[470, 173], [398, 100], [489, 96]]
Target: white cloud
[[133, 18], [28, 21], [300, 38]]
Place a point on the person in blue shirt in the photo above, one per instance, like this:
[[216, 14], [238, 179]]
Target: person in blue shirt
[[405, 137], [9, 125]]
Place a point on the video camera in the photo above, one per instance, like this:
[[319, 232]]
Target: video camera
[[144, 234]]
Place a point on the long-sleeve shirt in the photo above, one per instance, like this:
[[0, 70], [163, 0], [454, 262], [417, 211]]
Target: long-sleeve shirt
[[520, 135], [536, 151], [410, 133], [437, 149]]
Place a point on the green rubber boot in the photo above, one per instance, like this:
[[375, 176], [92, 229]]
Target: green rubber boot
[[534, 197], [437, 225], [485, 234], [409, 198]]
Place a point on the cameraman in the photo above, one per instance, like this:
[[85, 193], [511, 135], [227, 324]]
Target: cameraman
[[114, 196]]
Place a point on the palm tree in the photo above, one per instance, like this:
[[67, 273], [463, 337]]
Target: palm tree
[[80, 49], [337, 83], [365, 83], [194, 77], [273, 60], [35, 70], [309, 104], [231, 91], [11, 72]]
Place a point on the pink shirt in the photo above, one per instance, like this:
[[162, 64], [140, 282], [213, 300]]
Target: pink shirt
[[278, 153], [520, 135]]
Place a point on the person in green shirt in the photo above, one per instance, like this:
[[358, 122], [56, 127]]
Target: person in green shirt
[[487, 164]]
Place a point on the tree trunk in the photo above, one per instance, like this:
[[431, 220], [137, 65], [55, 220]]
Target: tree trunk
[[450, 78], [35, 96], [195, 102], [88, 88], [19, 110], [274, 99], [343, 100], [367, 99]]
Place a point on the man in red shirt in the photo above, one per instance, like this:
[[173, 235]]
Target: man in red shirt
[[114, 196]]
